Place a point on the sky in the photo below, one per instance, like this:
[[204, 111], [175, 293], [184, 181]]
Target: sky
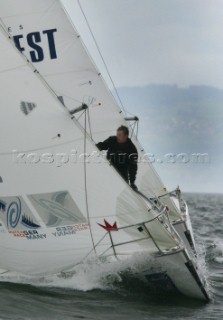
[[156, 41], [174, 42], [182, 122]]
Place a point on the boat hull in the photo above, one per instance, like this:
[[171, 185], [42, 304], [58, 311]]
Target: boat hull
[[174, 272]]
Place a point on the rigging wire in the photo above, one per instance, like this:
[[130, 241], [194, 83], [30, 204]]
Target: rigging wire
[[89, 122], [78, 118], [106, 67], [69, 97], [85, 179], [102, 58], [137, 130]]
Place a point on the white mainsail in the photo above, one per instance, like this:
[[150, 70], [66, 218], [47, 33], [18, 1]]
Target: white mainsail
[[50, 206], [43, 31]]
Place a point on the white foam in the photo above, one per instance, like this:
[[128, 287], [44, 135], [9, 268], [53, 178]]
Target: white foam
[[92, 274], [219, 259]]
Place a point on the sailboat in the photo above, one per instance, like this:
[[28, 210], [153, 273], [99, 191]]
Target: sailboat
[[61, 201]]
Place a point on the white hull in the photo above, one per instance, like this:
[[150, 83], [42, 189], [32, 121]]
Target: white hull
[[44, 251], [182, 273]]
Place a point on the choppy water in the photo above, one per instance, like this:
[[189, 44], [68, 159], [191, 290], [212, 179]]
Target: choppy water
[[100, 291]]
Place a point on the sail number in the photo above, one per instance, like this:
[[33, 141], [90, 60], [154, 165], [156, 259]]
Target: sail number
[[34, 40]]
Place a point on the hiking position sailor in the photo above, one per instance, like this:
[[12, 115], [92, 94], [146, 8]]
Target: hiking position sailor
[[122, 154]]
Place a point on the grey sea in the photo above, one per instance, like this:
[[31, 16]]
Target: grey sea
[[100, 291]]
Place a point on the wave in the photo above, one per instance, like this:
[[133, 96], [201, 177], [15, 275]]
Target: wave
[[90, 275]]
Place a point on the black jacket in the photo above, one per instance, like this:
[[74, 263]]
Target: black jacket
[[123, 156]]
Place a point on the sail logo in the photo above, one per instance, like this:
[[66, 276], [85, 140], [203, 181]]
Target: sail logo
[[38, 44], [16, 215]]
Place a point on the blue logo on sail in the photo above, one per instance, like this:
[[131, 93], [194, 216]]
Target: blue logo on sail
[[13, 215]]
